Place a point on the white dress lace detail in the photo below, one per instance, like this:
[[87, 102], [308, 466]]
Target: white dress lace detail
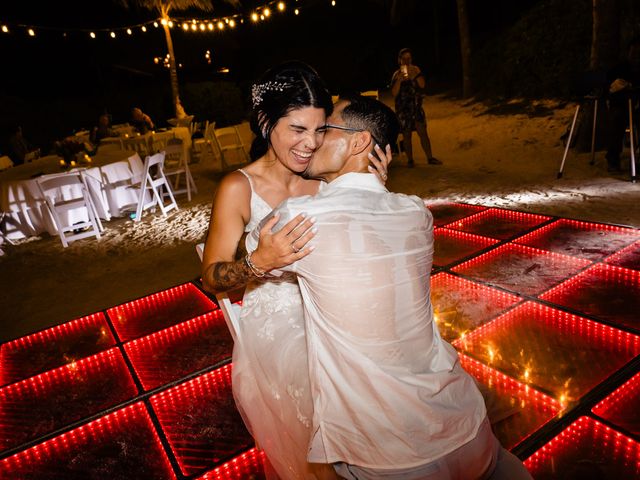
[[270, 369]]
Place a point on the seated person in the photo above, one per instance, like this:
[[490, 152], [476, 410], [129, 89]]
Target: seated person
[[141, 121], [103, 130], [19, 147]]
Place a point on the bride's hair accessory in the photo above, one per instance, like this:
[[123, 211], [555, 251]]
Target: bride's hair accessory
[[259, 89]]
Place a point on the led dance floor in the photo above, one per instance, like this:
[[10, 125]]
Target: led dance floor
[[544, 311]]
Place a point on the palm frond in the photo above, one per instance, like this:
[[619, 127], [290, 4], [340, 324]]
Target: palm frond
[[165, 5]]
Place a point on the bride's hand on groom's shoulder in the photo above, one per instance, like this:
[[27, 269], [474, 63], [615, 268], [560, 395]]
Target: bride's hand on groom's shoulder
[[287, 245]]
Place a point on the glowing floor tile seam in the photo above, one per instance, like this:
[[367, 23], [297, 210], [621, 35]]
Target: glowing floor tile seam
[[545, 220], [140, 397], [468, 236]]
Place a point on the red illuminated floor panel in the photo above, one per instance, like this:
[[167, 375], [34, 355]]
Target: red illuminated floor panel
[[451, 246], [460, 305], [201, 421], [444, 213], [555, 352], [180, 350], [521, 269], [120, 446], [247, 466], [622, 407], [586, 449], [628, 257], [497, 223], [54, 347], [607, 292], [592, 241], [44, 403], [159, 311], [514, 409]]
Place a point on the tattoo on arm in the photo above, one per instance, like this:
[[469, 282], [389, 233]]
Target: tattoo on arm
[[228, 275]]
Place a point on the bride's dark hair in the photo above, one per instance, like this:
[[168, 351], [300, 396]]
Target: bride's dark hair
[[287, 87]]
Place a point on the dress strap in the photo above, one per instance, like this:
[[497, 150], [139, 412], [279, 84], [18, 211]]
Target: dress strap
[[248, 178]]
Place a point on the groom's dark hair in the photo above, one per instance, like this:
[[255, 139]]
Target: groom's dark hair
[[366, 113]]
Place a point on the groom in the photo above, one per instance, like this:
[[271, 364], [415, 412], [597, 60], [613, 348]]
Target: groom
[[390, 397]]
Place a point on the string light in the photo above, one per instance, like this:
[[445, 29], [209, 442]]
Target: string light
[[261, 13]]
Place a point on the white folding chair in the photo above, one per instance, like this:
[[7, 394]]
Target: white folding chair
[[64, 193], [227, 140], [175, 163], [5, 162], [231, 311], [154, 183], [201, 147]]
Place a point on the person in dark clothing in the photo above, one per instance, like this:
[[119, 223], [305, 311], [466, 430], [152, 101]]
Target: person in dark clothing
[[407, 88], [103, 130], [624, 83], [141, 121], [19, 147]]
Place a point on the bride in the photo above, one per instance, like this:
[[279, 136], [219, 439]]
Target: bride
[[270, 374]]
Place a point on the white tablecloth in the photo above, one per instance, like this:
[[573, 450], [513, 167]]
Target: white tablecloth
[[107, 175]]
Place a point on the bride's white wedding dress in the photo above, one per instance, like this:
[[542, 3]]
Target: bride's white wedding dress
[[270, 369]]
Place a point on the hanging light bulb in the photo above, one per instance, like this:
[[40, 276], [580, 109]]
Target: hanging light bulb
[[261, 17], [170, 23], [194, 27], [202, 27], [232, 23], [333, 3], [281, 6], [254, 17], [31, 32], [5, 29], [163, 21], [296, 11], [185, 26], [143, 28], [113, 34], [266, 12], [129, 32], [155, 24], [221, 25], [92, 35], [210, 27]]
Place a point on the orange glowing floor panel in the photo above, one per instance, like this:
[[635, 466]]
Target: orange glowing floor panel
[[543, 310]]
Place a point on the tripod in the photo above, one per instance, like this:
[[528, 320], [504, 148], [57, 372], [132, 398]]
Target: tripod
[[632, 136]]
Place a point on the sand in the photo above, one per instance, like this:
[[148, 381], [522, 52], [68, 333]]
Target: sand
[[508, 160]]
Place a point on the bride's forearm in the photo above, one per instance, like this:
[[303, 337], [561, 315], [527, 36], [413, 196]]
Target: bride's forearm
[[224, 276]]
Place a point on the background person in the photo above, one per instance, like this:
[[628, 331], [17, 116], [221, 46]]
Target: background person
[[407, 88], [140, 121], [624, 78]]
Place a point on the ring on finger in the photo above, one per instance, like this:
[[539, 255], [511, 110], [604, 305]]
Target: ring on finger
[[295, 250]]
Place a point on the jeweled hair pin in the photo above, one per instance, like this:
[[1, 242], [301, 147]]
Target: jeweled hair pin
[[259, 89]]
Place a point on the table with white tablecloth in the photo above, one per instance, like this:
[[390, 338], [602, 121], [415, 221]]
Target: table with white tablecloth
[[108, 177]]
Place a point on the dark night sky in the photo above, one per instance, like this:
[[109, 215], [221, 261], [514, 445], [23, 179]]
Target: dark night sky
[[353, 45]]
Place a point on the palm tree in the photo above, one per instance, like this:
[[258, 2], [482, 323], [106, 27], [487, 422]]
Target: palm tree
[[465, 47], [164, 7]]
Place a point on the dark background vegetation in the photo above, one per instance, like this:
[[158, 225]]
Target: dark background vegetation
[[61, 80]]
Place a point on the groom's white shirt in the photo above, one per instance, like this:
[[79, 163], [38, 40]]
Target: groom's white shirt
[[388, 392]]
